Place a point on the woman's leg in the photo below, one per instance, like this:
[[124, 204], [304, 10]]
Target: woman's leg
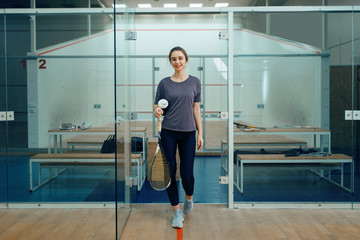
[[168, 143], [187, 148]]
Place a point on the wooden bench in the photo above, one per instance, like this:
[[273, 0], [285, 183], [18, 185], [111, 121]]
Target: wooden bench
[[63, 161], [84, 140], [260, 141], [334, 161], [98, 140]]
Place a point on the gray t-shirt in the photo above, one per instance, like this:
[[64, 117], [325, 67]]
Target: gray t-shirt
[[179, 115]]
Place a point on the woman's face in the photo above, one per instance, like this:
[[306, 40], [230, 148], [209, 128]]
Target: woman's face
[[178, 60]]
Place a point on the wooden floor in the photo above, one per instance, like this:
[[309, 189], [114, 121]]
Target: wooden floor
[[152, 221]]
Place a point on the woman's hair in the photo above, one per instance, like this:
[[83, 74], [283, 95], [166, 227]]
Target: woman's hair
[[178, 49]]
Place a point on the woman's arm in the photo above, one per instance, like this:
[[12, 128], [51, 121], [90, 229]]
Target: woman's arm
[[197, 116]]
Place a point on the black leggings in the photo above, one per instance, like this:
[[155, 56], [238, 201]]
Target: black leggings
[[186, 143]]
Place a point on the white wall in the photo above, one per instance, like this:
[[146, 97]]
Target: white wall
[[307, 28], [288, 87], [69, 88], [198, 34]]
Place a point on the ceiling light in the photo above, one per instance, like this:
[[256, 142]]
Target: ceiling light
[[195, 5], [221, 4], [119, 5], [170, 5], [144, 5]]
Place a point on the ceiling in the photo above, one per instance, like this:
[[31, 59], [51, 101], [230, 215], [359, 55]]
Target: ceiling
[[206, 3], [131, 3]]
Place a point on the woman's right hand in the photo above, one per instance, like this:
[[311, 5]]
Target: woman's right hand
[[158, 112]]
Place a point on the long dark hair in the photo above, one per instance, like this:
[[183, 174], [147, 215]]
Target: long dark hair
[[178, 49]]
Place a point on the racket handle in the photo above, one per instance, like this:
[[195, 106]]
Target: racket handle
[[159, 124]]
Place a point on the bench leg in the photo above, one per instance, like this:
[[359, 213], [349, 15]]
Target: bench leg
[[31, 176], [222, 155], [342, 174], [49, 146], [143, 172], [239, 180], [60, 143], [139, 162], [39, 175], [328, 178], [242, 177], [55, 144], [237, 172]]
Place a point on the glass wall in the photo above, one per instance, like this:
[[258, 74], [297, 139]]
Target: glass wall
[[356, 106], [3, 108], [156, 35], [294, 75], [343, 44], [291, 141], [130, 163], [60, 76]]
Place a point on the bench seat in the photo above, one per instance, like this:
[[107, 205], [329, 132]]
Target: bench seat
[[83, 140], [334, 161], [67, 160], [260, 141]]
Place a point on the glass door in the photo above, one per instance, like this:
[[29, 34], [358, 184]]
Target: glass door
[[342, 35], [61, 86], [206, 63], [15, 73], [356, 106], [285, 138], [130, 163], [62, 91], [3, 109], [219, 84]]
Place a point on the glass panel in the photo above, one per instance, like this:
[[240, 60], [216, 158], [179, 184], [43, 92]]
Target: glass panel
[[68, 92], [154, 41], [219, 74], [17, 45], [356, 106], [215, 101], [344, 90], [63, 96], [130, 165], [3, 107], [281, 89]]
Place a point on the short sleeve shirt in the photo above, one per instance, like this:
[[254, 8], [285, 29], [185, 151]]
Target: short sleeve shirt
[[179, 115]]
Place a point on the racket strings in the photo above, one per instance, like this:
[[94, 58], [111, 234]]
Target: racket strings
[[160, 174]]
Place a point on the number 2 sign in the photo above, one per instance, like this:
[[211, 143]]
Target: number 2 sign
[[41, 61], [43, 64]]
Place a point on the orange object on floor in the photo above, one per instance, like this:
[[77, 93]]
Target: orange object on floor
[[179, 234]]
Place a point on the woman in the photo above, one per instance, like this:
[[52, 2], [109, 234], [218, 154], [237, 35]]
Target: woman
[[181, 119]]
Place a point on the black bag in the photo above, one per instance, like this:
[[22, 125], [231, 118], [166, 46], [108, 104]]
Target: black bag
[[136, 144], [109, 145]]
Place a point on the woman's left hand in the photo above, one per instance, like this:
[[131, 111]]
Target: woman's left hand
[[200, 142]]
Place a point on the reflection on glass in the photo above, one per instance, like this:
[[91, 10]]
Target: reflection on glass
[[285, 107]]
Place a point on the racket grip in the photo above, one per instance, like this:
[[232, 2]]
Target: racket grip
[[159, 124]]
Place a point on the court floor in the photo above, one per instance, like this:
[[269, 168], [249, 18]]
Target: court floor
[[207, 221]]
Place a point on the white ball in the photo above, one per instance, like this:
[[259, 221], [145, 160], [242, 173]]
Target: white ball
[[163, 103]]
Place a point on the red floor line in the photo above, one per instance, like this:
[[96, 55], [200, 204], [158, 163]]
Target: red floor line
[[278, 40], [73, 43], [179, 235]]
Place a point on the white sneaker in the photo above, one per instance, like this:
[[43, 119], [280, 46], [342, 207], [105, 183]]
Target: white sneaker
[[178, 219], [188, 206]]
